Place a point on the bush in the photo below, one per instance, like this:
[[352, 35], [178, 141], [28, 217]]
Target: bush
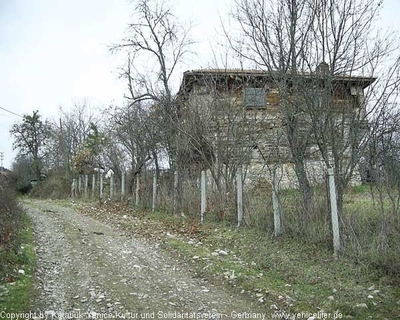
[[54, 187], [10, 215]]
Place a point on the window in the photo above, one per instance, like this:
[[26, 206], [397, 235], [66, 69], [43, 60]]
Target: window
[[357, 93], [203, 90], [254, 97], [318, 99]]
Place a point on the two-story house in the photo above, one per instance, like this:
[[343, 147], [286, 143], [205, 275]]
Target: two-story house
[[250, 110]]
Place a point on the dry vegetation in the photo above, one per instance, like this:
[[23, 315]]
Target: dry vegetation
[[295, 273], [11, 218], [16, 253]]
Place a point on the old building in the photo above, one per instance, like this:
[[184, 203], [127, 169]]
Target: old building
[[241, 117]]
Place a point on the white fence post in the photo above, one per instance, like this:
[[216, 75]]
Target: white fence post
[[175, 197], [203, 195], [73, 188], [79, 184], [276, 204], [153, 205], [122, 183], [111, 186], [101, 185], [86, 185], [137, 189], [334, 211], [239, 187], [93, 185]]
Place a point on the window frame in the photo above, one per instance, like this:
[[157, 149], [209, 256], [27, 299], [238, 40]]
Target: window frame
[[257, 98]]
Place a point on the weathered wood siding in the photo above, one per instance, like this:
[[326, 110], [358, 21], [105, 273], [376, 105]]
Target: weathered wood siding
[[262, 127]]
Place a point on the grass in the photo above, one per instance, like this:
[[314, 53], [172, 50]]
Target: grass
[[291, 273], [16, 288], [294, 273], [364, 216], [361, 223]]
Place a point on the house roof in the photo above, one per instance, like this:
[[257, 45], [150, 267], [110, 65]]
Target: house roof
[[192, 76]]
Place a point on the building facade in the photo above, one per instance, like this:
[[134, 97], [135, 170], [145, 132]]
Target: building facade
[[264, 120]]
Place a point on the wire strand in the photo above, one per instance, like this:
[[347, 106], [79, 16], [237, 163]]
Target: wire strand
[[11, 112]]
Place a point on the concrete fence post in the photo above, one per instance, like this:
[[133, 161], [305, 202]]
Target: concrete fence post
[[137, 189], [203, 195], [122, 183], [276, 204], [86, 185], [79, 184], [93, 185], [111, 186], [334, 211], [153, 205], [175, 196], [101, 186], [239, 187], [73, 188]]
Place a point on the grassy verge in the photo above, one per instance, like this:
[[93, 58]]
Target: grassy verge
[[285, 274], [290, 275], [16, 272]]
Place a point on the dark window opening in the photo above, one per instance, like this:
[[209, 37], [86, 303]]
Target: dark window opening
[[254, 97]]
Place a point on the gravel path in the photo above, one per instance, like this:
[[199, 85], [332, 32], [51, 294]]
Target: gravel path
[[86, 267]]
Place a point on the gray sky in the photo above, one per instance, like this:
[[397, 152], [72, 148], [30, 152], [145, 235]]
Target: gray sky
[[55, 52]]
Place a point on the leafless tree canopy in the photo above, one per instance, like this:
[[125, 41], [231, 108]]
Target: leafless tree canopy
[[156, 44], [158, 41], [290, 39]]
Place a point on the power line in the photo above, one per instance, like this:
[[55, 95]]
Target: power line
[[8, 116], [11, 112]]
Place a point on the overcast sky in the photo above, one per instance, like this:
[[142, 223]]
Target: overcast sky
[[55, 52]]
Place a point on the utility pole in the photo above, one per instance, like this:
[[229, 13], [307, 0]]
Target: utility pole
[[1, 160]]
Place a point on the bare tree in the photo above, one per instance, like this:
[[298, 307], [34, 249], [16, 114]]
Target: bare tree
[[345, 37], [218, 132], [274, 37], [69, 132], [158, 41], [133, 130], [310, 49], [381, 164]]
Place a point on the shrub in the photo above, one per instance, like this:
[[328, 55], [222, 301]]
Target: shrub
[[10, 215], [54, 187]]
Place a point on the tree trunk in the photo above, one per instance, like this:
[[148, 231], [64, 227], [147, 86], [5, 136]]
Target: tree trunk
[[306, 192]]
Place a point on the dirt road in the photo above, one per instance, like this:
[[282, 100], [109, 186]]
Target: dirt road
[[84, 266]]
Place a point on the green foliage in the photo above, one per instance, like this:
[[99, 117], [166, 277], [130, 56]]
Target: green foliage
[[10, 216], [359, 189], [83, 161], [95, 140], [85, 158], [18, 287], [29, 138], [16, 253]]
